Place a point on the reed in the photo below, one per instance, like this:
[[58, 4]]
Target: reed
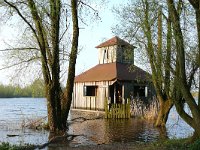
[[144, 108]]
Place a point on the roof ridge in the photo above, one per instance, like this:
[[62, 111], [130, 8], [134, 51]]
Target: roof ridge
[[113, 41]]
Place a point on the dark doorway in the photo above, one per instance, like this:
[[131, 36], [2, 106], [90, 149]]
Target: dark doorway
[[139, 91], [111, 93], [115, 92], [118, 93]]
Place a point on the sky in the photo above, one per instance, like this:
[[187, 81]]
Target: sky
[[90, 36]]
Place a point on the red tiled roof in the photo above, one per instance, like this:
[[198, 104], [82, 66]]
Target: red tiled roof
[[113, 41], [113, 71]]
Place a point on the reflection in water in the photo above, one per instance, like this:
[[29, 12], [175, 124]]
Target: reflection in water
[[131, 130], [119, 130]]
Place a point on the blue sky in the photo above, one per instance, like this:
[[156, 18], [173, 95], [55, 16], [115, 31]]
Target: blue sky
[[94, 35], [90, 36]]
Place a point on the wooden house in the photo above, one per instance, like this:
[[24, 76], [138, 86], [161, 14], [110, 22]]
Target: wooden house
[[115, 77]]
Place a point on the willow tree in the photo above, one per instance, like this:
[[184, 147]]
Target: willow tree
[[196, 5], [182, 84], [43, 20], [143, 21], [160, 73]]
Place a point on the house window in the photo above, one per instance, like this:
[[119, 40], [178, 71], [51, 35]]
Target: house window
[[90, 91], [139, 91]]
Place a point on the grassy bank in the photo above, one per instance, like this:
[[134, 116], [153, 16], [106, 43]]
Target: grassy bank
[[172, 144]]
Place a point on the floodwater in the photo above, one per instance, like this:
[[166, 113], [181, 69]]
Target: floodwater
[[15, 112]]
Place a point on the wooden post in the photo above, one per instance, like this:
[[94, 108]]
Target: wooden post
[[106, 108], [117, 110]]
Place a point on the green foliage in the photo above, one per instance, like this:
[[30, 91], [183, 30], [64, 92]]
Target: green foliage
[[7, 146], [36, 89], [195, 145]]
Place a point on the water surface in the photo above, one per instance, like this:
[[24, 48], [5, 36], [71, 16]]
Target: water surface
[[16, 111]]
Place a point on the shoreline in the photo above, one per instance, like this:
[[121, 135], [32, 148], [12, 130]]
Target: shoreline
[[89, 130], [181, 144]]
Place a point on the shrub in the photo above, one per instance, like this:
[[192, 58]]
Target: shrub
[[195, 145]]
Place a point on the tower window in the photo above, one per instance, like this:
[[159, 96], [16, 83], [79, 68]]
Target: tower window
[[106, 54]]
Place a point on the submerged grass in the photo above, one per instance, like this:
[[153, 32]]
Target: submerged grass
[[7, 146]]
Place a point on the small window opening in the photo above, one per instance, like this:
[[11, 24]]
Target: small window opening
[[139, 91], [106, 53], [90, 90]]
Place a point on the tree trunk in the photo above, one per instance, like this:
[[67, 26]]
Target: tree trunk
[[165, 107], [55, 62], [192, 121], [51, 113], [197, 12], [67, 99], [181, 87], [195, 4], [53, 108], [156, 62], [45, 26]]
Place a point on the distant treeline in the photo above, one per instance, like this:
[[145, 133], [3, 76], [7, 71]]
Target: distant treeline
[[36, 89]]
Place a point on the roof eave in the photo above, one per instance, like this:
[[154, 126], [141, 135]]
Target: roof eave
[[79, 81]]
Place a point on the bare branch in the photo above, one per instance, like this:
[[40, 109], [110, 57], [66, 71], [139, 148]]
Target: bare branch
[[19, 63], [64, 32], [191, 76], [20, 14], [180, 6], [81, 2], [82, 21], [19, 49]]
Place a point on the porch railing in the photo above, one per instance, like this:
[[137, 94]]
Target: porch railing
[[117, 110]]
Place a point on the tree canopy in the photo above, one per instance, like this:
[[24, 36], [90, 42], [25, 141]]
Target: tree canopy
[[168, 33], [51, 32]]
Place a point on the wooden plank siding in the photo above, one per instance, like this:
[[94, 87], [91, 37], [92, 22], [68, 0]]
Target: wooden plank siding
[[107, 54], [115, 53], [90, 102]]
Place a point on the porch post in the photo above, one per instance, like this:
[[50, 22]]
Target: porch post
[[114, 94], [146, 91], [123, 99]]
